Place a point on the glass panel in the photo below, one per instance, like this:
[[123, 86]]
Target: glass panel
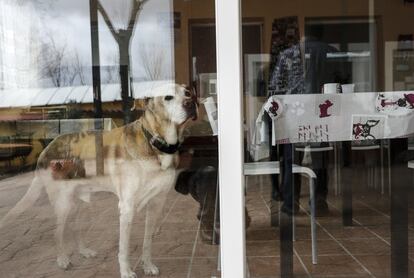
[[108, 139], [329, 114]]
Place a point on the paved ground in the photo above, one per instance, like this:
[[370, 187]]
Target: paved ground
[[27, 247]]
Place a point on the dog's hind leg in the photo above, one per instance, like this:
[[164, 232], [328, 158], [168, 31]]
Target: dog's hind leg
[[63, 205], [82, 220], [27, 201], [126, 211]]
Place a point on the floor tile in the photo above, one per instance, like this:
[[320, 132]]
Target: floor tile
[[325, 247], [267, 267], [204, 268], [330, 265], [366, 246], [379, 265], [341, 232], [263, 248]]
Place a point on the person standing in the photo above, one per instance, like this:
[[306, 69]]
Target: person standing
[[303, 68]]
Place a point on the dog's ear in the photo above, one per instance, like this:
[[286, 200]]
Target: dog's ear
[[139, 104], [148, 101]]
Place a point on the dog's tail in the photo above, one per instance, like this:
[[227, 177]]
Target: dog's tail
[[27, 201]]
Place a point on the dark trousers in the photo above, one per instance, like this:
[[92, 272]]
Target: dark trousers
[[290, 184]]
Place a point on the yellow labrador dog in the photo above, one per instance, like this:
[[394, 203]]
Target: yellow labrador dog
[[140, 162]]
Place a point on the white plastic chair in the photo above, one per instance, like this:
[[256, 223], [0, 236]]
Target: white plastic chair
[[371, 173], [325, 149], [273, 168]]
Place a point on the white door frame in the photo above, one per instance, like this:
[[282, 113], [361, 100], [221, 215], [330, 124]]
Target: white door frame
[[230, 133]]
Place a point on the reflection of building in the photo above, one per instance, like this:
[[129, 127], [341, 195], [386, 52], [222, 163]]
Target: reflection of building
[[32, 117], [42, 103]]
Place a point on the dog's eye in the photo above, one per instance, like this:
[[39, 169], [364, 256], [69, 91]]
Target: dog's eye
[[187, 94], [168, 98]]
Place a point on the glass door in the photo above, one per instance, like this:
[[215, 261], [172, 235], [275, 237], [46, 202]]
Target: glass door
[[328, 116], [108, 139], [218, 138]]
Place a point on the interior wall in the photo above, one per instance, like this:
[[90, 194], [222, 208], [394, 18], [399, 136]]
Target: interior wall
[[395, 18]]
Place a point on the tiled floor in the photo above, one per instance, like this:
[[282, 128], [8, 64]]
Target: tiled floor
[[27, 247], [362, 250]]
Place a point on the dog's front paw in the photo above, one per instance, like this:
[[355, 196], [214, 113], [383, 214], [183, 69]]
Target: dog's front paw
[[87, 253], [150, 268], [63, 261], [128, 274]]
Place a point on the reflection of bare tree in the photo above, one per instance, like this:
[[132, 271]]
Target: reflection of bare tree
[[60, 65], [123, 37], [54, 66], [78, 69], [152, 62]]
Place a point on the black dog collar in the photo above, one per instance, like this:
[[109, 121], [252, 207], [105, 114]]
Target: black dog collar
[[160, 144]]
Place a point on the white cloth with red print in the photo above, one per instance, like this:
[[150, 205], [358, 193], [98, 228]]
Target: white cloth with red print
[[309, 118]]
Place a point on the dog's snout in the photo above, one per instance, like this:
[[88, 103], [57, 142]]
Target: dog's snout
[[194, 98], [189, 103]]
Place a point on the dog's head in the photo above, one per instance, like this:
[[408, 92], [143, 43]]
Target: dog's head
[[177, 103]]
